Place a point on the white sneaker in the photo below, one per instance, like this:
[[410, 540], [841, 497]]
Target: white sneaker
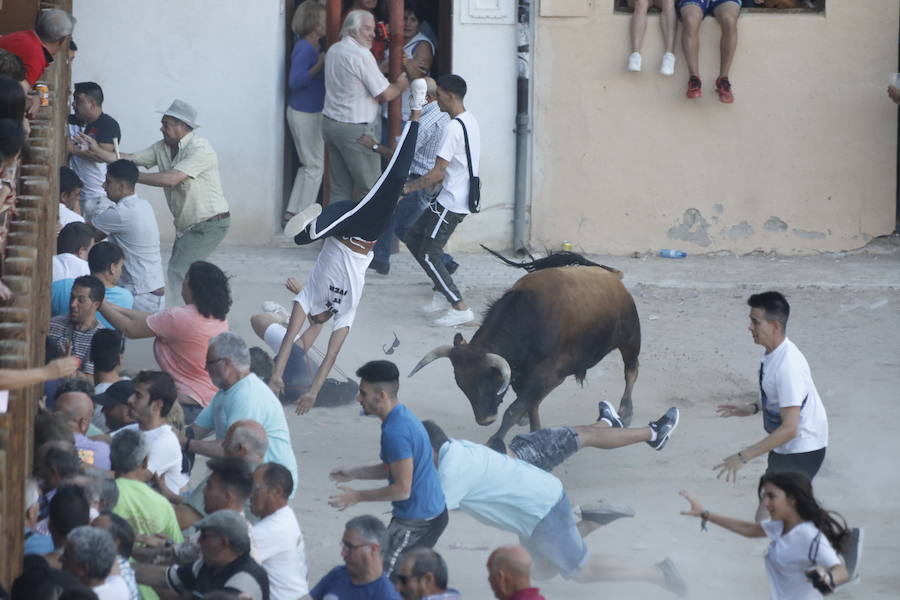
[[668, 64], [634, 62], [276, 309], [303, 218], [455, 317], [417, 90], [438, 302]]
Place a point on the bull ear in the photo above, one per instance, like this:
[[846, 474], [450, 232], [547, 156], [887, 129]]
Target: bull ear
[[458, 340]]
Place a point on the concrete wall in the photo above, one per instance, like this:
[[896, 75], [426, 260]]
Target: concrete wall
[[804, 160], [225, 58]]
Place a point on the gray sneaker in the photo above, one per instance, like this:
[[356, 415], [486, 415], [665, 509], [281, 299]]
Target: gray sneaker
[[609, 414], [853, 553], [664, 426], [675, 583], [604, 513]]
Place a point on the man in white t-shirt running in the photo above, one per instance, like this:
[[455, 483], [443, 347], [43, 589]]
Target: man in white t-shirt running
[[153, 397], [334, 287], [428, 236], [793, 414]]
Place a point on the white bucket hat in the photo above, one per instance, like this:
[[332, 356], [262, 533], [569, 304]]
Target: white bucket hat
[[182, 111]]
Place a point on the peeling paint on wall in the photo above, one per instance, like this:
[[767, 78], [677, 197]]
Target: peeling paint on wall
[[775, 224], [740, 231], [810, 235], [693, 228]]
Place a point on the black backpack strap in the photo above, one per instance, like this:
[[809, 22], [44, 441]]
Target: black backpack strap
[[468, 154]]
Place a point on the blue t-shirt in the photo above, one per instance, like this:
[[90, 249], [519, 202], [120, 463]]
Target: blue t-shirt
[[306, 94], [37, 543], [336, 585], [403, 436], [250, 398], [61, 294]]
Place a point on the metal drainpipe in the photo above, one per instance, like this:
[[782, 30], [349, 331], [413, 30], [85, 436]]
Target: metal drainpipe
[[524, 39]]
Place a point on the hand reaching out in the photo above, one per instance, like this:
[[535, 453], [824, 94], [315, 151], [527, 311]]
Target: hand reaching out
[[696, 508]]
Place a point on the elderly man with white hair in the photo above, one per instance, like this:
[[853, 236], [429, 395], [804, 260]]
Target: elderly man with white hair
[[89, 555], [354, 87], [37, 47], [242, 396]]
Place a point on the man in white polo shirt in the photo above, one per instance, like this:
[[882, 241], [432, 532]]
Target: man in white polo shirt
[[428, 236], [354, 87], [131, 225]]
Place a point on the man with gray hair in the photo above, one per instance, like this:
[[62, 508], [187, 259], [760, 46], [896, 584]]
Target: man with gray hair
[[242, 396], [189, 175], [362, 574], [225, 562], [89, 555], [354, 87], [37, 47], [423, 576]]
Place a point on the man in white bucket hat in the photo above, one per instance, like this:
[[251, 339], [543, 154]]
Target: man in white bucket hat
[[189, 175]]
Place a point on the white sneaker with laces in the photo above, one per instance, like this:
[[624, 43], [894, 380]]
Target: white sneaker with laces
[[417, 91], [455, 317], [276, 309], [668, 64], [438, 302], [634, 62], [303, 218]]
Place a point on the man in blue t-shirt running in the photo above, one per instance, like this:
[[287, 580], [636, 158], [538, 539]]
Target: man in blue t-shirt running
[[420, 512]]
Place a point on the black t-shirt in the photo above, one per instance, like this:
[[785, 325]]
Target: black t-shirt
[[104, 129], [243, 575]]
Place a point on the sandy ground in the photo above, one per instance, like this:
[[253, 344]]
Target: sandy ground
[[697, 353]]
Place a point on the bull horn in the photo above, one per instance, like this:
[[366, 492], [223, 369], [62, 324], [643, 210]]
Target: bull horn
[[499, 363], [439, 352]]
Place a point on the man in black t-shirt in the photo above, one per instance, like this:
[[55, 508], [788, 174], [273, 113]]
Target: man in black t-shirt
[[225, 562], [88, 118]]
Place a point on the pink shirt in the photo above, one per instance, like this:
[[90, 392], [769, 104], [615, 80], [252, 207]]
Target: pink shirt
[[182, 339]]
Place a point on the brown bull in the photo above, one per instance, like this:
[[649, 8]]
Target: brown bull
[[559, 320]]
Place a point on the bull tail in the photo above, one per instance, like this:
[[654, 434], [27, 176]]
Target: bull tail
[[554, 259]]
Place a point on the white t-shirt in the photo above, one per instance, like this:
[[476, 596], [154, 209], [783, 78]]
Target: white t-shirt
[[455, 193], [790, 555], [164, 457], [114, 588], [282, 554], [787, 381], [335, 283], [67, 215], [131, 225], [69, 266], [352, 81]]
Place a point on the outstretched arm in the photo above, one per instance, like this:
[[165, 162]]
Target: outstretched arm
[[790, 420], [335, 342], [133, 323], [13, 379], [400, 488], [745, 528], [298, 315]]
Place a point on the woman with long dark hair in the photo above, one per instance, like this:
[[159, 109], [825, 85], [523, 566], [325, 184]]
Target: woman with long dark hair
[[802, 561]]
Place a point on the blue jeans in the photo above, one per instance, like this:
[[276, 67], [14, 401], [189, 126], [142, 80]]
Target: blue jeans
[[408, 210]]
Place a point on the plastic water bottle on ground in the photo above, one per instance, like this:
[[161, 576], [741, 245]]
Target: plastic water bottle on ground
[[666, 253]]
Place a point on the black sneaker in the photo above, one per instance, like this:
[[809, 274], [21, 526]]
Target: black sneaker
[[604, 513], [609, 414], [674, 582], [664, 426], [380, 267]]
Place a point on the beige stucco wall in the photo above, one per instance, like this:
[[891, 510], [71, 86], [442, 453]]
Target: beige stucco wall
[[804, 160]]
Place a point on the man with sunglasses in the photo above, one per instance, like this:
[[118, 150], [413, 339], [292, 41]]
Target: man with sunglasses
[[423, 576], [361, 577]]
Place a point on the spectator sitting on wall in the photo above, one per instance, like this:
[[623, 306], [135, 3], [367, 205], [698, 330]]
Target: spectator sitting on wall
[[667, 23], [105, 261], [89, 555], [70, 187], [189, 175], [131, 224], [123, 535], [726, 13], [73, 333], [306, 96], [182, 333], [88, 119], [73, 399], [114, 403], [73, 244], [354, 87]]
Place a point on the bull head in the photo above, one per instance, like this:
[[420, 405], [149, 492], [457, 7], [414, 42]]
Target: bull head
[[483, 377]]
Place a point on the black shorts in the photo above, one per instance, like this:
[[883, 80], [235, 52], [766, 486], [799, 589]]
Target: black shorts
[[404, 534], [807, 463]]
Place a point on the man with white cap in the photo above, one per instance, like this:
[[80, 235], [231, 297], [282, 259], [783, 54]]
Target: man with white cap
[[189, 175]]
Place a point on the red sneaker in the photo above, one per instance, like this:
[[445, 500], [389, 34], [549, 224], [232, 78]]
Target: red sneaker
[[694, 90], [723, 88]]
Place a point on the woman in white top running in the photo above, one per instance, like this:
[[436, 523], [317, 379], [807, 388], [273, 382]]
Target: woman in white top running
[[802, 561]]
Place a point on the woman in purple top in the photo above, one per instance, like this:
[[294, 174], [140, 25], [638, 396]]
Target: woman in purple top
[[306, 96]]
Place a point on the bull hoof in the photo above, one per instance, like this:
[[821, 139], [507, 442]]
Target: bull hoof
[[625, 413]]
